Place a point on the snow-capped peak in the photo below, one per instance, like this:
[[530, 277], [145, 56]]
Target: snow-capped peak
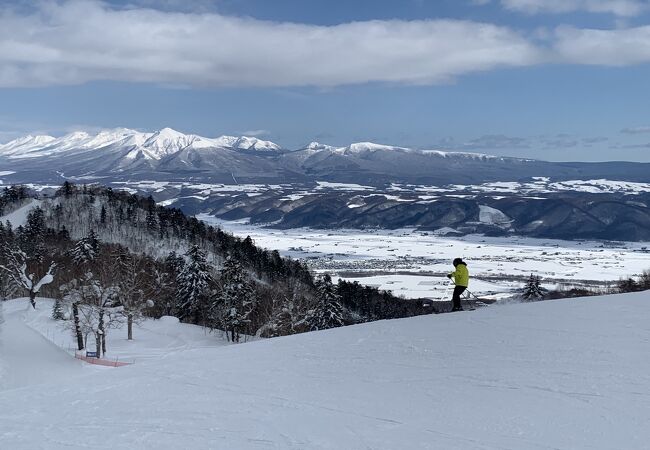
[[166, 142], [360, 147], [151, 146], [108, 137], [25, 145], [246, 143], [27, 140], [318, 146], [75, 136]]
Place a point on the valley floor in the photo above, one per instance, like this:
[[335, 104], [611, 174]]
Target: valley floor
[[570, 374], [413, 264]]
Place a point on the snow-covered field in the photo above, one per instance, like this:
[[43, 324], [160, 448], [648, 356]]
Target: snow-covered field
[[413, 263], [539, 185], [569, 374]]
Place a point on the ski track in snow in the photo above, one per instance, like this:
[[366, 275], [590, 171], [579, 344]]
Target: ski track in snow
[[571, 374]]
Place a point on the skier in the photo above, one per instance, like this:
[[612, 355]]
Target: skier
[[461, 280]]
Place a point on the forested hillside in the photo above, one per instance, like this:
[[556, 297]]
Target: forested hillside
[[110, 256]]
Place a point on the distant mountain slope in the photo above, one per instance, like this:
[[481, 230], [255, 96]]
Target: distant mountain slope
[[378, 185], [123, 154]]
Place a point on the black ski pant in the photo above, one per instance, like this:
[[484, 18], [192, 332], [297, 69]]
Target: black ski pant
[[455, 299]]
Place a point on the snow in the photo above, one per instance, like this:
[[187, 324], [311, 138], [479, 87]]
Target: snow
[[152, 146], [19, 216], [493, 216], [342, 186], [361, 147], [246, 143], [318, 146], [26, 357], [166, 142], [24, 144], [566, 374], [153, 339]]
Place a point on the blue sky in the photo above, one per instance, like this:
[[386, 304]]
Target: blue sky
[[553, 79]]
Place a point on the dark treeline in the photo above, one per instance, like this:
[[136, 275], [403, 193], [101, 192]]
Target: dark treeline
[[630, 284], [12, 197], [110, 257]]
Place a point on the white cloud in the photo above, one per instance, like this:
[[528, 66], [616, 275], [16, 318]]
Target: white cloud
[[74, 42], [80, 41], [619, 47], [625, 8], [256, 133]]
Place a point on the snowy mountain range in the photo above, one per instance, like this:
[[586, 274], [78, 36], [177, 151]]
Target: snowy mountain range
[[123, 154], [383, 186], [153, 146]]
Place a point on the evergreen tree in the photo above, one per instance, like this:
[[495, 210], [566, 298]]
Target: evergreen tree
[[86, 249], [102, 215], [68, 189], [328, 312], [57, 310], [193, 282], [151, 218], [236, 303], [533, 289], [33, 235]]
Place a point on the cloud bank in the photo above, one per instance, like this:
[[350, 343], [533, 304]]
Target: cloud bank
[[622, 8], [74, 42]]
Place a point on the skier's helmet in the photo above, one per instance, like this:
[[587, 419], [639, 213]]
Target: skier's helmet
[[457, 261]]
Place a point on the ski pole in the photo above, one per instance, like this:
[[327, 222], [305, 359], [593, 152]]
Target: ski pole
[[444, 294], [472, 295]]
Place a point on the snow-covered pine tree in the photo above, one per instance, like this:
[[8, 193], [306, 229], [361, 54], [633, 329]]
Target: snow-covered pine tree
[[57, 310], [286, 320], [7, 285], [193, 282], [236, 302], [328, 311], [86, 249], [533, 289]]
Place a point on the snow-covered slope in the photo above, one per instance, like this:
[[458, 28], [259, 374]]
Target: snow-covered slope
[[153, 146], [123, 154], [570, 374], [25, 145], [18, 217], [247, 143]]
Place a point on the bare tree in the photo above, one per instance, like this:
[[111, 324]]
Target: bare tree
[[97, 311], [7, 286], [136, 288]]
